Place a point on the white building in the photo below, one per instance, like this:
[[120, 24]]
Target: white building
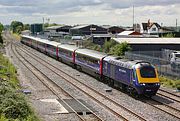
[[150, 28]]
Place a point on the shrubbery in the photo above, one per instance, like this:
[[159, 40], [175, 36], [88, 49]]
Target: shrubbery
[[109, 47], [13, 105], [169, 82], [120, 49]]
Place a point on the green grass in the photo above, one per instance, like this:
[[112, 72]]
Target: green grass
[[170, 83], [13, 104], [17, 36]]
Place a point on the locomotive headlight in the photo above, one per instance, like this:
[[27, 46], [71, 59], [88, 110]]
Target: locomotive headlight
[[157, 84], [142, 84]]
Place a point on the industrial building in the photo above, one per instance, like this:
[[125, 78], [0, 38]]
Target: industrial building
[[87, 30], [57, 31], [151, 44], [113, 29], [36, 28]]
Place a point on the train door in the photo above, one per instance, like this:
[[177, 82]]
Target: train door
[[133, 77], [112, 75]]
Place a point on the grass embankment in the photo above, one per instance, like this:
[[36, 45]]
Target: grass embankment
[[13, 105], [17, 36], [166, 82]]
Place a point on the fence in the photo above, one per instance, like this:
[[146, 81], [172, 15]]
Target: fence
[[158, 58]]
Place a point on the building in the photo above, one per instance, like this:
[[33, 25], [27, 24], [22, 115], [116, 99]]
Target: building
[[152, 28], [151, 44], [113, 29], [36, 28], [100, 38], [129, 34], [63, 28], [83, 30], [57, 31]]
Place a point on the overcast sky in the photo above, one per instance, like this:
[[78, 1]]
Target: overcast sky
[[103, 12]]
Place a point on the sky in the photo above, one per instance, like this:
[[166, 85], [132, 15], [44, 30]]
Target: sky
[[102, 12]]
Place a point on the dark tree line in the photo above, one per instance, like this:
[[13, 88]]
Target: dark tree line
[[1, 29], [17, 27]]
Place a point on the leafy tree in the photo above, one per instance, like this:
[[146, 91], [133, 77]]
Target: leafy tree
[[169, 35], [108, 45], [1, 29], [15, 26], [46, 25], [120, 49], [19, 29], [26, 27]]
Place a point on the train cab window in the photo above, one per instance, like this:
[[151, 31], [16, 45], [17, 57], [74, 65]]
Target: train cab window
[[148, 72]]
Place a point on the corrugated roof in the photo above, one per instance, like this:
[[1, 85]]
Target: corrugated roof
[[54, 27], [80, 26], [126, 33], [149, 40]]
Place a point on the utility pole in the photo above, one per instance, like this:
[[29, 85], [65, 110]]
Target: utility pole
[[176, 26], [43, 24]]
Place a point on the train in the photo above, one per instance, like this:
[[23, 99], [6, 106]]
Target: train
[[137, 77]]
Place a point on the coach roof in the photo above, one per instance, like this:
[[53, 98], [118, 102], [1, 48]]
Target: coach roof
[[53, 43], [68, 47], [122, 62], [35, 38], [91, 53]]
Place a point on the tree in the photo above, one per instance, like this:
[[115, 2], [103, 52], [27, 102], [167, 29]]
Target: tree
[[19, 29], [120, 49], [15, 25], [1, 29], [169, 35], [26, 27], [108, 45]]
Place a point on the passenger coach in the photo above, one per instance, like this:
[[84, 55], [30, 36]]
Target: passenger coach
[[67, 53], [90, 61]]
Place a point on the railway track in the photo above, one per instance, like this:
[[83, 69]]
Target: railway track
[[169, 95], [90, 92], [163, 107], [51, 85]]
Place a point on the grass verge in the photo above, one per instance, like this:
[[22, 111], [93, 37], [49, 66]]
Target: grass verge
[[13, 104], [169, 82], [17, 36]]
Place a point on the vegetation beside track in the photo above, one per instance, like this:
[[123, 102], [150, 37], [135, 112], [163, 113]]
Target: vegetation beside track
[[110, 47], [13, 104], [167, 82], [16, 36]]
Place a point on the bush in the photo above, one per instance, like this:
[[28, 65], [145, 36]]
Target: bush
[[178, 87], [1, 39], [13, 105], [120, 49], [169, 82], [108, 45]]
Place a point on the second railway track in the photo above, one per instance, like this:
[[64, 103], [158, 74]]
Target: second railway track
[[51, 85]]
